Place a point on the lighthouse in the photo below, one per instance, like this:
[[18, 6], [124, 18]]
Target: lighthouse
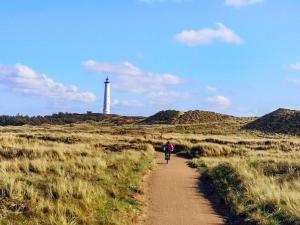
[[106, 102]]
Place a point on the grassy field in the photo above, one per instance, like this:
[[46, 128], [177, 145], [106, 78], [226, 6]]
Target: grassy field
[[257, 177], [77, 174], [91, 174]]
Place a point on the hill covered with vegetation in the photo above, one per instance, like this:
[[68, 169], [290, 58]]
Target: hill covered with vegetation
[[283, 121], [189, 117], [163, 117]]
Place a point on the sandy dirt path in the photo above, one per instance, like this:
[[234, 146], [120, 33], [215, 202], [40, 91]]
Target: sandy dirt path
[[175, 197]]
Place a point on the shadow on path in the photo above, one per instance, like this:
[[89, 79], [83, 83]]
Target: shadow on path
[[207, 189], [174, 187]]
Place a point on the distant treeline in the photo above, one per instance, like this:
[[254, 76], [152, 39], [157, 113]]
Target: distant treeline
[[58, 119]]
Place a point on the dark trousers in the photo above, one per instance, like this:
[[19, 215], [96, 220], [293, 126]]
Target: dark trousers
[[167, 154]]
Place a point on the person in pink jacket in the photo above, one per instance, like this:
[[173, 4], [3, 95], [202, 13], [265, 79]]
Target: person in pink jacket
[[168, 148]]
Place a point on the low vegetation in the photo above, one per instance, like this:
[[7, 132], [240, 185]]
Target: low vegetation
[[66, 175], [91, 172], [68, 118], [261, 185]]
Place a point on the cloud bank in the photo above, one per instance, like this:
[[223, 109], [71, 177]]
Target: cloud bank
[[126, 103], [152, 90], [20, 78], [155, 87], [295, 66], [240, 3], [211, 88], [207, 36], [219, 101], [294, 81], [133, 79], [160, 1]]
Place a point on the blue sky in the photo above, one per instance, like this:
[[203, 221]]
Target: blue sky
[[240, 57]]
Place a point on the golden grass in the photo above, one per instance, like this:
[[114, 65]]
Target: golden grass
[[91, 174], [261, 186], [70, 175]]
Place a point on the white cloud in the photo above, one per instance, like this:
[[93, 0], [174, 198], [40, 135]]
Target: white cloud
[[126, 103], [156, 88], [207, 36], [295, 66], [166, 97], [294, 81], [131, 78], [218, 101], [22, 79], [240, 3], [235, 3], [211, 88], [159, 1]]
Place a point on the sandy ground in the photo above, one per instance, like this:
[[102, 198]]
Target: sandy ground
[[176, 197]]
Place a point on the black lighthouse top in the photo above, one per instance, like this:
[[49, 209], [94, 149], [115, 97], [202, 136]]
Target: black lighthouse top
[[107, 81]]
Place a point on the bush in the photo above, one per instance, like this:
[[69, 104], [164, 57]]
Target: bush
[[232, 188], [215, 150]]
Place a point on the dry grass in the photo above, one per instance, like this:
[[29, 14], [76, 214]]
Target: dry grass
[[257, 174], [260, 184], [91, 174], [70, 175]]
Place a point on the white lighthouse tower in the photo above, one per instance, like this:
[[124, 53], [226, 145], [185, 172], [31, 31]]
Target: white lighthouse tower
[[106, 103]]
